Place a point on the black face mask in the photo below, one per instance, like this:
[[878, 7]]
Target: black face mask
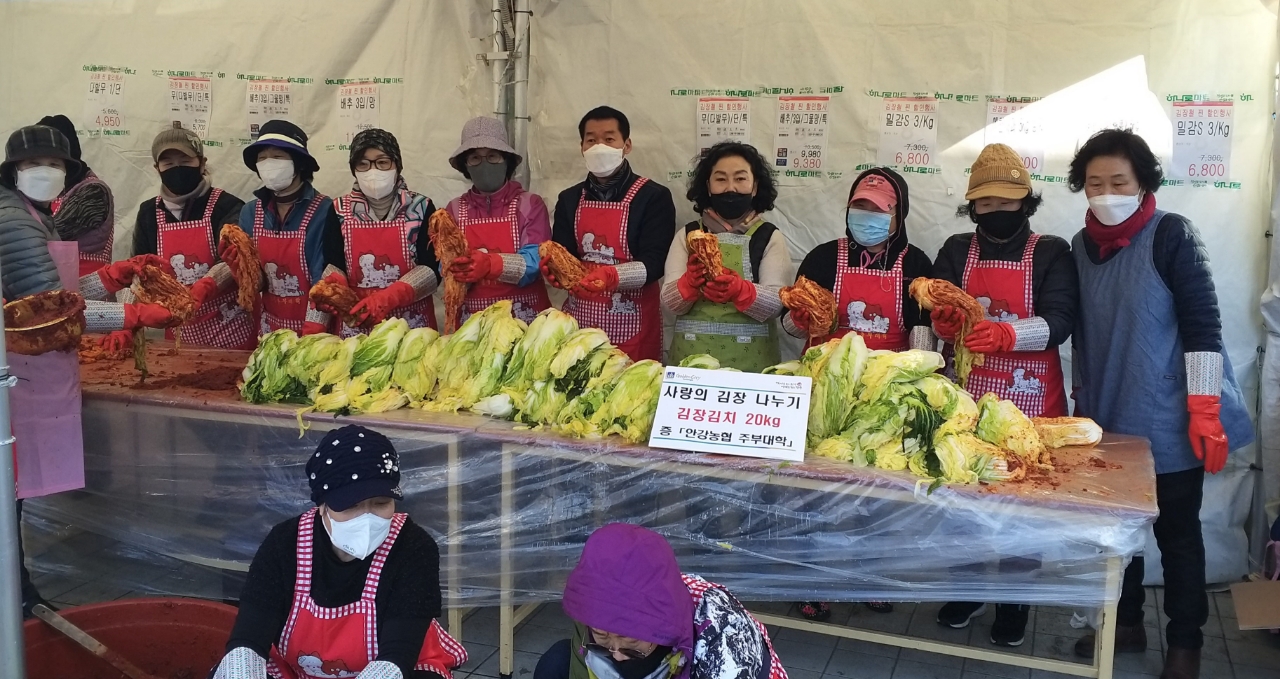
[[731, 205], [1001, 224], [642, 667], [181, 180]]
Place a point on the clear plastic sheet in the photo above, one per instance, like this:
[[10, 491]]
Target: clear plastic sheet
[[203, 480]]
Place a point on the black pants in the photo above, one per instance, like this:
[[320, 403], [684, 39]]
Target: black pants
[[554, 664], [1178, 496]]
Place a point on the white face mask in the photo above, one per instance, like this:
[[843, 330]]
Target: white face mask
[[1111, 209], [41, 184], [602, 160], [276, 173], [375, 183], [360, 536]]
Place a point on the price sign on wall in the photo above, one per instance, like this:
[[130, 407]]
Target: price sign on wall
[[267, 100], [190, 100], [732, 413], [1202, 140], [358, 108], [723, 119], [909, 132], [800, 141], [104, 101], [1007, 125]]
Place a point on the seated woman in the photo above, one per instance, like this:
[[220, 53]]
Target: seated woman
[[348, 589], [637, 617]]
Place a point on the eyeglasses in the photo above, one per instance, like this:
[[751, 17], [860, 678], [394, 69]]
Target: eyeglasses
[[631, 653], [383, 163], [492, 158]]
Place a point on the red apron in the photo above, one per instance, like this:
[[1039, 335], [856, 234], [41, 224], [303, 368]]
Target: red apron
[[499, 236], [378, 254], [869, 302], [1031, 379], [284, 266], [631, 318], [329, 643], [188, 246], [92, 260]]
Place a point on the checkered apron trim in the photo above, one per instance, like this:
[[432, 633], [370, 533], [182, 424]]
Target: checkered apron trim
[[848, 278], [366, 237], [276, 312], [499, 236], [697, 587], [972, 263], [996, 375], [622, 315]]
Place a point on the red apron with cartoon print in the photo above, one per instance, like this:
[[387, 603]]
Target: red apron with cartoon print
[[188, 247], [869, 302], [1031, 379], [329, 643], [284, 266], [92, 260], [631, 318], [499, 236], [378, 254]]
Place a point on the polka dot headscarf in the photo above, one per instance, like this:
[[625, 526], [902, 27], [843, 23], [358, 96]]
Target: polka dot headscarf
[[353, 464]]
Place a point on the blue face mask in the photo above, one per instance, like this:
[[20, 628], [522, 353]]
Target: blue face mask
[[868, 228]]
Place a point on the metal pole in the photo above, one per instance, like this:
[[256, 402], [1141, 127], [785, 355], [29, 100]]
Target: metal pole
[[12, 650], [498, 63], [520, 95]]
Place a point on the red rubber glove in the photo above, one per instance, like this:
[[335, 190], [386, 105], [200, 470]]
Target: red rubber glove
[[228, 253], [204, 290], [691, 281], [586, 288], [989, 337], [119, 275], [800, 318], [375, 308], [335, 278], [147, 316], [947, 321], [729, 287], [1208, 440], [547, 276], [312, 328], [116, 342], [477, 266]]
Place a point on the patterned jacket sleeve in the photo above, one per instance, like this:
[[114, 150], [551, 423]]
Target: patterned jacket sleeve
[[729, 644]]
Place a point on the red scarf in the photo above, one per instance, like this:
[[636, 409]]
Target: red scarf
[[1112, 238]]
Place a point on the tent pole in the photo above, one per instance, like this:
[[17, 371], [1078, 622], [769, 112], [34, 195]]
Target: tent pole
[[520, 93], [498, 61], [12, 650]]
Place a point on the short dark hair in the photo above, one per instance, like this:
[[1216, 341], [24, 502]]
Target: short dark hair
[[1029, 206], [1125, 144], [605, 113], [302, 165], [766, 188]]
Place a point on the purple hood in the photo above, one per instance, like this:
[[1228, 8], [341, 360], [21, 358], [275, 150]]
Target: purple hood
[[628, 583]]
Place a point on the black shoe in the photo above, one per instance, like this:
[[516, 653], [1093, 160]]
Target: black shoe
[[1010, 626], [817, 611], [957, 614]]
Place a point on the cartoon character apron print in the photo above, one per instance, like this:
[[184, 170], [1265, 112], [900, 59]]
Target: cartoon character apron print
[[378, 254], [328, 643], [1031, 379], [189, 248], [869, 302], [284, 267], [499, 236], [631, 318]]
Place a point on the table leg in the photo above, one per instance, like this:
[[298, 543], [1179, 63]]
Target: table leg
[[1104, 654], [455, 543], [506, 614]]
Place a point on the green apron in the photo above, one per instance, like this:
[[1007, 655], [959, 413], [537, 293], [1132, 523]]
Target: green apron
[[736, 339]]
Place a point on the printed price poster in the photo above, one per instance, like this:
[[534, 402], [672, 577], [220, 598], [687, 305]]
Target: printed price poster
[[909, 132], [723, 119], [357, 108], [1006, 126], [190, 100], [1202, 140], [267, 100], [800, 142], [732, 413], [104, 101]]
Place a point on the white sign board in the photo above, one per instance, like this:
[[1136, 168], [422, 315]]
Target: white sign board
[[190, 100], [1007, 125], [358, 108], [267, 100], [1202, 140], [723, 119], [104, 101], [732, 413], [800, 140], [909, 132]]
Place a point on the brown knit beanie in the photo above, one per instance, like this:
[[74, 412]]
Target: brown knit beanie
[[998, 172]]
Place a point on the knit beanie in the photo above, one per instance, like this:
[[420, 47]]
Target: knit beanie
[[998, 173]]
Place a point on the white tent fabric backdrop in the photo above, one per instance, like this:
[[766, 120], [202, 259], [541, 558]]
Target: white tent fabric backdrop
[[1089, 64]]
